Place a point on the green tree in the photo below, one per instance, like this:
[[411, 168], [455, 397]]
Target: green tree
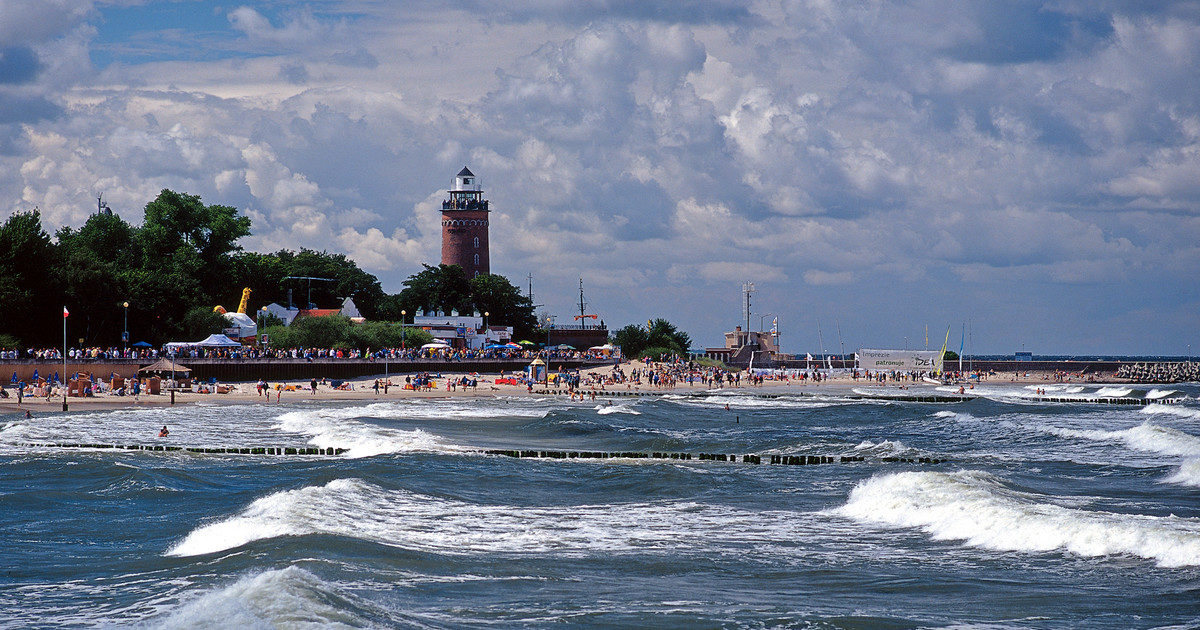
[[632, 339], [26, 288], [661, 337], [663, 334], [504, 304], [94, 266], [188, 244], [270, 276], [338, 332], [441, 288], [200, 322]]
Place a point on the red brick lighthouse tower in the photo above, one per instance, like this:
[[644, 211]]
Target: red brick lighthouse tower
[[465, 226]]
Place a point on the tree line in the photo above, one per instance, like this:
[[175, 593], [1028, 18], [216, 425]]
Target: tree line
[[184, 259]]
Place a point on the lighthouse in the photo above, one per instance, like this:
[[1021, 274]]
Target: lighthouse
[[465, 226]]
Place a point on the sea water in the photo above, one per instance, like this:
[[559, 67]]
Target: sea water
[[1039, 515]]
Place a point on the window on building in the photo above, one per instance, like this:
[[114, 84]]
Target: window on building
[[476, 259], [476, 242]]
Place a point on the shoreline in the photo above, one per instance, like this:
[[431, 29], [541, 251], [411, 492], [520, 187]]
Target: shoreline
[[363, 391]]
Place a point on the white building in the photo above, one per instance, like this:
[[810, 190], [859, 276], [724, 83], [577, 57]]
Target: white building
[[462, 331]]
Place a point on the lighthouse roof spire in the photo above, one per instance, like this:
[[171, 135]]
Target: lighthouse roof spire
[[466, 172]]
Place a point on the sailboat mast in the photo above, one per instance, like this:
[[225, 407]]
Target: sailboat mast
[[840, 342], [582, 304]]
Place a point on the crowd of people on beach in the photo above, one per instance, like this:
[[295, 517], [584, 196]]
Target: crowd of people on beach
[[1169, 372], [255, 352]]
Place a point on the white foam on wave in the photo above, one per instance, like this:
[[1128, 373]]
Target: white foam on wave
[[605, 410], [1147, 437], [956, 416], [1188, 474], [886, 448], [976, 508], [14, 432], [1155, 394], [1188, 413], [1055, 388], [1113, 392], [751, 400], [400, 518], [289, 597], [341, 428]]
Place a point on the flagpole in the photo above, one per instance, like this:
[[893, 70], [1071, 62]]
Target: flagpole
[[63, 381]]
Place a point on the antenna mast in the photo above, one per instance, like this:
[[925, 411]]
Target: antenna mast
[[747, 290]]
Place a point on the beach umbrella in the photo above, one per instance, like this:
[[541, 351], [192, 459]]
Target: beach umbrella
[[35, 374], [526, 342], [436, 346], [14, 378], [142, 344], [510, 344]]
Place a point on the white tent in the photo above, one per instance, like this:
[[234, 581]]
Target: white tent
[[436, 346], [241, 321], [217, 341]]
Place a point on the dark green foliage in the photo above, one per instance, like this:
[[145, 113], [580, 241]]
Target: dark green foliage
[[504, 303], [200, 322], [632, 339], [338, 332], [442, 288], [446, 288], [25, 268], [661, 338], [185, 259]]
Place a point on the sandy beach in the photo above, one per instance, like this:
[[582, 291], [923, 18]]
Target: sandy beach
[[362, 389]]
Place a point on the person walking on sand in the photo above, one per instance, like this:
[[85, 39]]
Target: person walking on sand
[[313, 391]]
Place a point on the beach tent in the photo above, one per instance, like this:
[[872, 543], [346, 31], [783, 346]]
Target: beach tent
[[436, 346], [164, 366]]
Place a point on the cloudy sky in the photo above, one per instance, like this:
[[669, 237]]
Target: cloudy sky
[[1027, 170]]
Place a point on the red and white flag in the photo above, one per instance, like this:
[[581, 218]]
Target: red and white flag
[[65, 313]]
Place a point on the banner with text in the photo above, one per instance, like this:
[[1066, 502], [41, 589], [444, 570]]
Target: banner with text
[[904, 360]]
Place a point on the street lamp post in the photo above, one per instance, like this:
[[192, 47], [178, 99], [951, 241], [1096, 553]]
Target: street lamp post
[[262, 323], [403, 322], [125, 333], [485, 327]]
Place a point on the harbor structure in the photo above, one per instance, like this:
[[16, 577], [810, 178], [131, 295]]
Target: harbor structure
[[465, 226]]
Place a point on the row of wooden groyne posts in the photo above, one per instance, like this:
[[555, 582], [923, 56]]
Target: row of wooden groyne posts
[[921, 398], [233, 450], [784, 460], [927, 398]]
